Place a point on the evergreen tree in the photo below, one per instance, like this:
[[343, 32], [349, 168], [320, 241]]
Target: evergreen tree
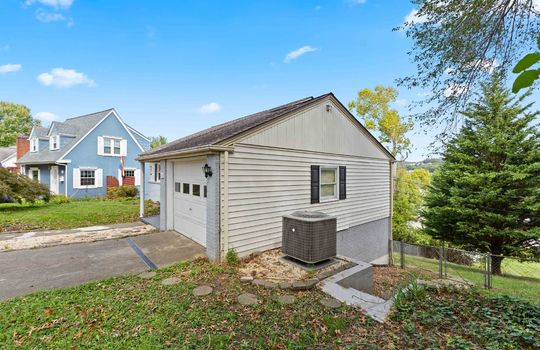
[[486, 194]]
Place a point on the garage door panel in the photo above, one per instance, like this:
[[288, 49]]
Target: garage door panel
[[190, 210]]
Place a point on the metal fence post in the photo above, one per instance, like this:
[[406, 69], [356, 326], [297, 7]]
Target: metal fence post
[[441, 252], [489, 270], [484, 269], [402, 254]]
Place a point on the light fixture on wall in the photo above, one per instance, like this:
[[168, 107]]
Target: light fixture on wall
[[207, 170], [328, 107]]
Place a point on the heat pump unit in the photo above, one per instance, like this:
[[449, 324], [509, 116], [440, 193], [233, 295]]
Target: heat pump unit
[[309, 236]]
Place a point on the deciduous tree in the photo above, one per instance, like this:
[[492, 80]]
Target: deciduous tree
[[15, 120]]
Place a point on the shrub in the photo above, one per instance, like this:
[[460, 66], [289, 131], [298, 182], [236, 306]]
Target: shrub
[[15, 187], [60, 199], [151, 208], [232, 258], [122, 192]]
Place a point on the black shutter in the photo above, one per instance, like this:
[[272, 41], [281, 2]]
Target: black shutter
[[342, 182], [315, 184]]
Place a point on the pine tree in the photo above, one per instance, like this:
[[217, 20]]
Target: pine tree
[[486, 194]]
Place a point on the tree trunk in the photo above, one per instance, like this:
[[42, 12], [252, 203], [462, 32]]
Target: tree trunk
[[496, 261]]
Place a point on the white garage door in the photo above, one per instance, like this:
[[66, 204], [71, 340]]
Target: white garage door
[[190, 199]]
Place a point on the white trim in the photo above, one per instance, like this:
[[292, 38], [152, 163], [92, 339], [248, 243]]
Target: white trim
[[94, 127], [138, 133], [51, 142], [335, 197]]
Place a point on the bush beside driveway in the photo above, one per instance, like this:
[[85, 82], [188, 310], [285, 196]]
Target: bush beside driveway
[[16, 217]]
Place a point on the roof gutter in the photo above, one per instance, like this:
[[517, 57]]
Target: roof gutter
[[189, 152]]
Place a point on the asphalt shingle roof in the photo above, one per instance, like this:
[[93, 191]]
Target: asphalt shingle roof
[[6, 152], [216, 134], [77, 127]]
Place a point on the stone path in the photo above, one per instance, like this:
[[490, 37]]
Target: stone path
[[170, 281], [248, 299], [202, 291], [39, 239], [330, 303]]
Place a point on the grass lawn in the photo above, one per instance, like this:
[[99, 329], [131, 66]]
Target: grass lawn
[[519, 279], [129, 312], [76, 213]]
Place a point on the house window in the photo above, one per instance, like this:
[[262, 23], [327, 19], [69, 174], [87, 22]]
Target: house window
[[205, 191], [54, 142], [155, 169], [130, 172], [177, 187], [34, 145], [34, 174], [111, 146], [328, 185], [88, 177], [185, 188], [196, 190]]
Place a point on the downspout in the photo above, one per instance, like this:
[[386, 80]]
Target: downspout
[[142, 189], [224, 217]]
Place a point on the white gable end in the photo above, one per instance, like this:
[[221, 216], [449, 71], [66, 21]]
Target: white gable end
[[319, 130]]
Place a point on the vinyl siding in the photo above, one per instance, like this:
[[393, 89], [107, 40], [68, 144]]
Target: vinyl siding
[[265, 183], [319, 130]]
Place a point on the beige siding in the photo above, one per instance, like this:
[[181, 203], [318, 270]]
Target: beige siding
[[266, 183], [319, 130]]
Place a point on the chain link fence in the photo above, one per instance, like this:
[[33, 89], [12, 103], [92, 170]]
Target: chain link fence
[[509, 275]]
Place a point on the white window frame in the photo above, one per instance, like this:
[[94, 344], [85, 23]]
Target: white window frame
[[34, 143], [81, 178], [31, 171], [335, 197], [111, 141], [52, 140], [155, 169], [130, 169]]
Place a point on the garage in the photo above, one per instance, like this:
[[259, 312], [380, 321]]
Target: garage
[[190, 191]]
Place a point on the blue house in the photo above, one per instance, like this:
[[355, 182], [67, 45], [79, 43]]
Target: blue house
[[81, 156]]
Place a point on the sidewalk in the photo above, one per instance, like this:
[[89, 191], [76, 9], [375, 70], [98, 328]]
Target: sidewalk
[[39, 239]]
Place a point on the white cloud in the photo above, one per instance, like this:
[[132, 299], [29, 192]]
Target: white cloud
[[298, 52], [65, 78], [4, 48], [402, 102], [9, 68], [63, 4], [211, 107], [413, 18], [46, 116], [318, 7], [45, 17], [424, 94], [536, 5], [359, 1]]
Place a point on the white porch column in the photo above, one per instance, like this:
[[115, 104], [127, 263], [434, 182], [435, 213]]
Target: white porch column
[[142, 189]]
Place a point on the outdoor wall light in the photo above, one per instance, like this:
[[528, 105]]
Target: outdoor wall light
[[207, 170]]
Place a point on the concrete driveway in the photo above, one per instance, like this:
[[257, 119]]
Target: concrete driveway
[[26, 271]]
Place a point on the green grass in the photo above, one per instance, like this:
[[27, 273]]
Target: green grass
[[76, 213], [133, 313], [519, 279]]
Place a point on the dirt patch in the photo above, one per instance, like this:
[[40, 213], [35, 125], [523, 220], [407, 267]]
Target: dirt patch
[[388, 279], [269, 266]]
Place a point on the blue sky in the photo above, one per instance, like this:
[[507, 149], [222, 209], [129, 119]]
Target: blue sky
[[174, 67]]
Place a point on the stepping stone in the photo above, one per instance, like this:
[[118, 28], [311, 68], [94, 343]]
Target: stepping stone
[[248, 299], [304, 285], [265, 284], [246, 279], [285, 285], [147, 274], [202, 291], [330, 303], [286, 299], [170, 281]]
